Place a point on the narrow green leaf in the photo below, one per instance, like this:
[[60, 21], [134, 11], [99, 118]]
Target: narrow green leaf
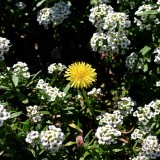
[[145, 68], [158, 132], [40, 3], [25, 101], [32, 80], [66, 88], [15, 80], [70, 143], [4, 87], [16, 114], [45, 112], [88, 134], [117, 150], [145, 50], [148, 12], [75, 127]]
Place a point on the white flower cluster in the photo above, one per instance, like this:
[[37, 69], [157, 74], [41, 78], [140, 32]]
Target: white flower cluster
[[113, 119], [98, 13], [151, 147], [4, 47], [21, 69], [107, 132], [109, 42], [140, 157], [134, 63], [33, 112], [56, 67], [147, 113], [54, 15], [112, 35], [158, 83], [104, 17], [49, 90], [125, 105], [95, 92], [116, 20], [20, 5], [32, 137], [138, 135], [157, 56], [52, 139], [104, 1], [4, 115], [146, 20]]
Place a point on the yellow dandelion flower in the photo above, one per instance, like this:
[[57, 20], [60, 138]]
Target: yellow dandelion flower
[[80, 75]]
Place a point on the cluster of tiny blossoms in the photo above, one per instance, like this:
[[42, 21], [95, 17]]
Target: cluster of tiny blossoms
[[33, 112], [32, 138], [107, 132], [125, 105], [20, 5], [56, 68], [147, 113], [95, 92], [134, 63], [54, 15], [20, 69], [138, 135], [4, 47], [109, 42], [49, 90], [3, 115], [150, 149], [112, 34], [146, 21], [157, 56], [104, 1], [51, 139]]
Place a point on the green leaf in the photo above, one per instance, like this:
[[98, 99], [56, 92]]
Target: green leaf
[[26, 125], [70, 143], [145, 68], [32, 80], [25, 101], [16, 114], [148, 12], [69, 108], [4, 87], [66, 88], [145, 50], [88, 134], [15, 80], [158, 132], [75, 127], [40, 3], [45, 112], [117, 150]]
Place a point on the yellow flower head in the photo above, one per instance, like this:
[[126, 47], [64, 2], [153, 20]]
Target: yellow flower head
[[80, 75]]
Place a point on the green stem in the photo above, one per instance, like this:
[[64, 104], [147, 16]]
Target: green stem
[[54, 78], [88, 102]]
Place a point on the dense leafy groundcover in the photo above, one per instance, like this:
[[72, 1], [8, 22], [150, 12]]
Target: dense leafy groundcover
[[79, 80]]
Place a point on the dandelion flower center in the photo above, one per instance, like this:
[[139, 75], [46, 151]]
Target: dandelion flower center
[[80, 75]]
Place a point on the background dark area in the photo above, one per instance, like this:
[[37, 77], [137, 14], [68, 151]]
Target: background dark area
[[39, 47]]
